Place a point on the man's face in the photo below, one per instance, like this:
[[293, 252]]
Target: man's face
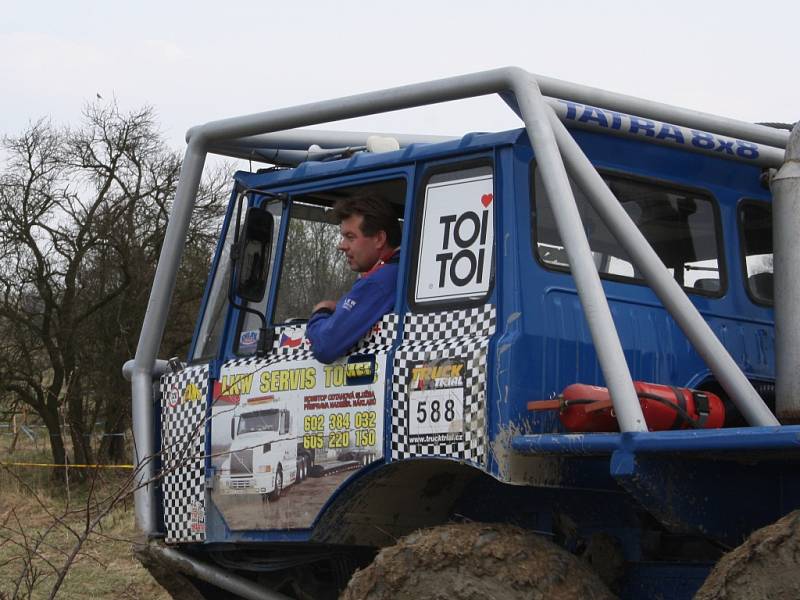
[[362, 251]]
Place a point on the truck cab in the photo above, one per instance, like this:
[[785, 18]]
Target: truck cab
[[426, 419]]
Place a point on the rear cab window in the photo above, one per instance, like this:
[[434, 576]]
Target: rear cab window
[[755, 230], [681, 225]]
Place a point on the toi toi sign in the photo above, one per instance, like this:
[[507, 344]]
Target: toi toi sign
[[457, 236]]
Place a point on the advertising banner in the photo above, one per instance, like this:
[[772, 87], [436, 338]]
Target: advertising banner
[[286, 435]]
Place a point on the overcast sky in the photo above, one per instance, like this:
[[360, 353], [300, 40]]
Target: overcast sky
[[201, 60]]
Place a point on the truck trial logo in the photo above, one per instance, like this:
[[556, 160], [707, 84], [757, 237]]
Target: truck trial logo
[[457, 239], [433, 376], [436, 401], [248, 339]]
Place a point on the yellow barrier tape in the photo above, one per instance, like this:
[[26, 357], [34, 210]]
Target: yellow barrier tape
[[52, 466]]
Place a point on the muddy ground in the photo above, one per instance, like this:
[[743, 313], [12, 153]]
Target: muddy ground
[[297, 507]]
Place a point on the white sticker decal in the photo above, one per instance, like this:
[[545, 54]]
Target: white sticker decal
[[457, 238], [436, 402]]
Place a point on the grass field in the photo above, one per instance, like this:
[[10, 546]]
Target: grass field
[[40, 522]]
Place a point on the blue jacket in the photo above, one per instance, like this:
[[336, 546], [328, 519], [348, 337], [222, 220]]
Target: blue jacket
[[332, 334]]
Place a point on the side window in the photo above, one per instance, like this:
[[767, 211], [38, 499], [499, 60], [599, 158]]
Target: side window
[[755, 227], [681, 226], [312, 268], [456, 238]]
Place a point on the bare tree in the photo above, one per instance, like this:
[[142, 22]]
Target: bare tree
[[82, 215]]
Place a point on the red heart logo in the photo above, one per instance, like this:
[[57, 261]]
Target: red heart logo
[[486, 199]]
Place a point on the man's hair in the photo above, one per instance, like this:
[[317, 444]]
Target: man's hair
[[379, 215]]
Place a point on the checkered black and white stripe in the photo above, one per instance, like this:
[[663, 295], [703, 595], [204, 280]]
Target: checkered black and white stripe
[[427, 337], [379, 339], [183, 408], [444, 329]]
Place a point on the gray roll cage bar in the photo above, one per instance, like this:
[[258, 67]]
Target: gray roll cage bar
[[540, 103]]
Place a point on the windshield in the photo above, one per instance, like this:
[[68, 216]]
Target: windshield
[[263, 420]]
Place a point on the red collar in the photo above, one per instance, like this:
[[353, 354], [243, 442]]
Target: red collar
[[387, 257]]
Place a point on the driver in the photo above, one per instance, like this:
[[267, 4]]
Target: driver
[[371, 237]]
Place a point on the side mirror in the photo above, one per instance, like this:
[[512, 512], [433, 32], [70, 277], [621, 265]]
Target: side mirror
[[233, 428], [253, 256]]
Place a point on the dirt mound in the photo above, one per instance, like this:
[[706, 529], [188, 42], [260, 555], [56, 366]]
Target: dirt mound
[[475, 561], [765, 566]]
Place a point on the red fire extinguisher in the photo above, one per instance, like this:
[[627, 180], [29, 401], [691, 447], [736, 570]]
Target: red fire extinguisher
[[588, 408]]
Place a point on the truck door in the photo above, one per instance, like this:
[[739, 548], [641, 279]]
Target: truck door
[[337, 409], [440, 368]]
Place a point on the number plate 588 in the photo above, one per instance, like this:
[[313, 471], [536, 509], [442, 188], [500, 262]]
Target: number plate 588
[[436, 411]]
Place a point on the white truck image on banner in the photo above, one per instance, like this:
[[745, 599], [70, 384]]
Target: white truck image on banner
[[263, 453]]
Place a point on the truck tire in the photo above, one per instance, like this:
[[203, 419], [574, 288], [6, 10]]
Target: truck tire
[[276, 493], [471, 561], [765, 566]]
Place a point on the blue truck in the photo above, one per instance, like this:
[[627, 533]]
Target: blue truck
[[612, 242]]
